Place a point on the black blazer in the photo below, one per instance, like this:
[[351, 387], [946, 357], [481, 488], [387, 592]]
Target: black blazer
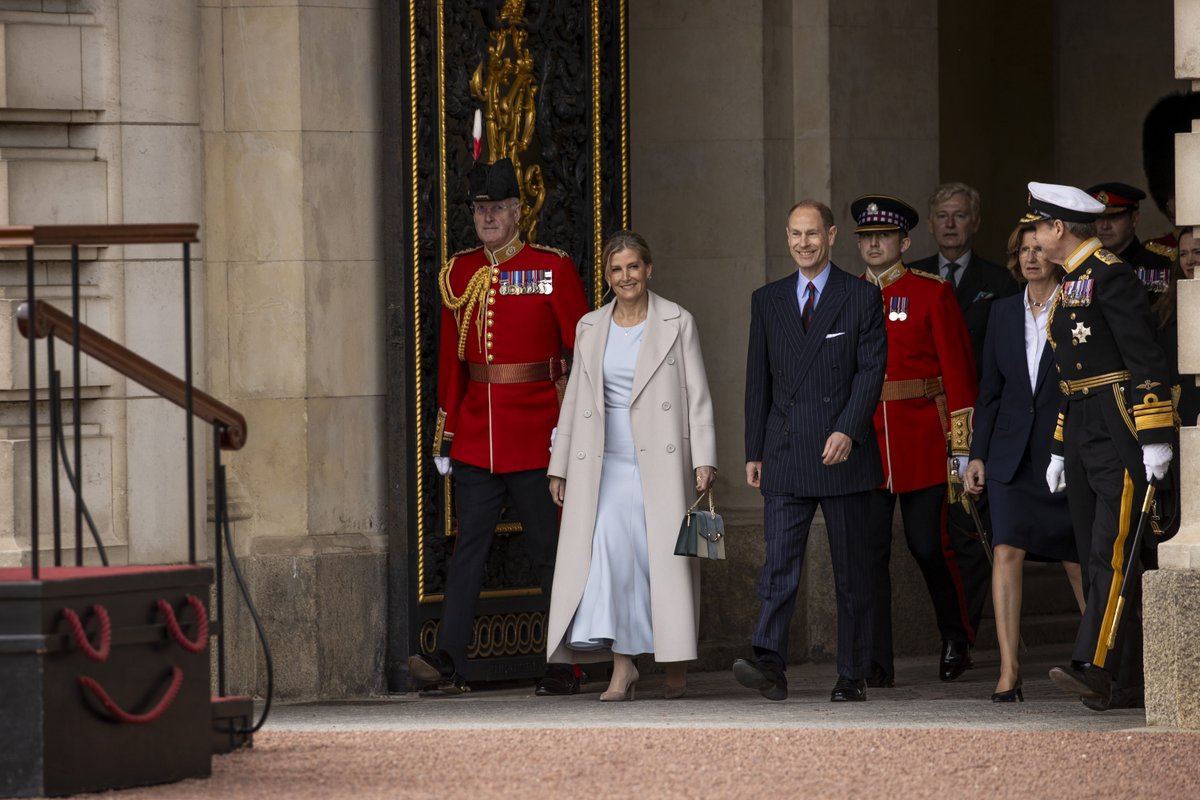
[[1009, 415], [982, 284], [801, 387]]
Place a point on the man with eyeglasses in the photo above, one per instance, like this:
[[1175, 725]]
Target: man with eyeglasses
[[509, 314], [928, 400]]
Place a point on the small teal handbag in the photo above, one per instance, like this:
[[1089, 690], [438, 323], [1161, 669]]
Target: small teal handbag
[[702, 533]]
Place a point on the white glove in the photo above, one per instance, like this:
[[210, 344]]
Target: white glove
[[960, 464], [553, 433], [443, 464], [1156, 457], [1055, 479]]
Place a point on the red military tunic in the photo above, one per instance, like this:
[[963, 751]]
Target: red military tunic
[[519, 305], [927, 339]]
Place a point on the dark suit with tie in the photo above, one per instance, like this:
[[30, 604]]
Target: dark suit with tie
[[980, 284], [1014, 429], [801, 386]]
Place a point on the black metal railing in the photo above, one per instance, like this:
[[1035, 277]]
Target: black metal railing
[[38, 319]]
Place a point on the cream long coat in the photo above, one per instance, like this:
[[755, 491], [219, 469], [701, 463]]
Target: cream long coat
[[672, 419]]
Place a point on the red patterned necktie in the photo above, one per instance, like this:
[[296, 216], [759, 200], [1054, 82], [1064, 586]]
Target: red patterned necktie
[[810, 292]]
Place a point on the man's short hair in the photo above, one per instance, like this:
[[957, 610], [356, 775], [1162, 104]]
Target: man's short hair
[[1084, 230], [816, 205], [945, 191]]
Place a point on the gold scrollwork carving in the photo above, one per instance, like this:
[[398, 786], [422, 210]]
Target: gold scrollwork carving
[[428, 636], [498, 635], [508, 90]]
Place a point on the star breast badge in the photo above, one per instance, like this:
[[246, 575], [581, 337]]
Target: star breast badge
[[1081, 332]]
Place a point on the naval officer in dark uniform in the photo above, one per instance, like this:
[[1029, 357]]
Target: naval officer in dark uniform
[[1116, 229], [1113, 433]]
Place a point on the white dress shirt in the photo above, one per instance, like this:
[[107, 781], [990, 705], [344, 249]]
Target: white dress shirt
[[818, 287], [1036, 320]]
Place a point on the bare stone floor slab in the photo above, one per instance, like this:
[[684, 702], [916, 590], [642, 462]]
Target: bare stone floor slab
[[715, 699]]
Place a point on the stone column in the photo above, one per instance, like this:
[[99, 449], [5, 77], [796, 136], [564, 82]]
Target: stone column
[[1171, 594], [291, 136]]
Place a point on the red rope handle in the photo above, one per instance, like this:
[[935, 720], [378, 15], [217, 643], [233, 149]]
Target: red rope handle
[[121, 714], [98, 654], [176, 632]]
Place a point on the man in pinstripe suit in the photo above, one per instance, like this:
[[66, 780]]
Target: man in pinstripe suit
[[814, 372]]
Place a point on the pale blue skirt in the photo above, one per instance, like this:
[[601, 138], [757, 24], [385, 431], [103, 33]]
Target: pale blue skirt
[[614, 612]]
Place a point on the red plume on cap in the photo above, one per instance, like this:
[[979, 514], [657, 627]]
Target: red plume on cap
[[477, 134]]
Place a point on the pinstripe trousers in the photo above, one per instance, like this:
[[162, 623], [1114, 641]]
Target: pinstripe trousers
[[787, 519]]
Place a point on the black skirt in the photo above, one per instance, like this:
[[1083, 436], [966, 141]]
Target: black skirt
[[1027, 516]]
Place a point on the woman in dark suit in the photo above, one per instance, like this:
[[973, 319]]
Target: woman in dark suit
[[1014, 425]]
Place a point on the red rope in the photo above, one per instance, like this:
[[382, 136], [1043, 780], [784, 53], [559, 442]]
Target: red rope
[[176, 632], [135, 719], [99, 654]]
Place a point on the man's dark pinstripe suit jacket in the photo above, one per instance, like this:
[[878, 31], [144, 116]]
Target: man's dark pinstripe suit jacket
[[802, 386]]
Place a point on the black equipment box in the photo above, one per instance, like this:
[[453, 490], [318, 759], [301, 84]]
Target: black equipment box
[[104, 678]]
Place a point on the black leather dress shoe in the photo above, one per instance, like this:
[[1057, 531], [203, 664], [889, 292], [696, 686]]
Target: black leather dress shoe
[[879, 678], [956, 657], [1086, 680], [429, 669], [1121, 698], [455, 684], [848, 690], [560, 679], [763, 674]]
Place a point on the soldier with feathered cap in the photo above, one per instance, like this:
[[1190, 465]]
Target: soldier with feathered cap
[[509, 314]]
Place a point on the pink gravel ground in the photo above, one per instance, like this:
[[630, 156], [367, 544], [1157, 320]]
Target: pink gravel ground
[[700, 763]]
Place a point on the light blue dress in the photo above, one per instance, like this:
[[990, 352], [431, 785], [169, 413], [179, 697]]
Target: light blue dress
[[614, 611]]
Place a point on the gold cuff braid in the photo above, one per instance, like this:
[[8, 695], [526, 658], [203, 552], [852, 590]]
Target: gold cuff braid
[[1154, 414], [962, 425]]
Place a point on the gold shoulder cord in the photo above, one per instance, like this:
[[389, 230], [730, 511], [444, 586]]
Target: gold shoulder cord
[[475, 295]]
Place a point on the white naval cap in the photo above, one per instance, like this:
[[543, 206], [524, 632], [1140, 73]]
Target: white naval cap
[[1055, 201]]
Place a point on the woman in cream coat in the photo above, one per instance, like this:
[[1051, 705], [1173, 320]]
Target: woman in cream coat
[[635, 431]]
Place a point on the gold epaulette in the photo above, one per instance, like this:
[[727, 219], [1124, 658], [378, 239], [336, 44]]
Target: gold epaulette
[[1107, 256], [962, 423], [922, 273], [1162, 250], [548, 249], [444, 273]]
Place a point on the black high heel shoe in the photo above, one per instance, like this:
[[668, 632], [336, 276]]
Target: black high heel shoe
[[1011, 696]]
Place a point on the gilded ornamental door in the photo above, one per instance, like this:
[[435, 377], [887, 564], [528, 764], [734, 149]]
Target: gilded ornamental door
[[547, 78]]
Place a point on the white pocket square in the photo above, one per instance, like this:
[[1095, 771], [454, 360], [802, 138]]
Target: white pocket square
[[835, 335]]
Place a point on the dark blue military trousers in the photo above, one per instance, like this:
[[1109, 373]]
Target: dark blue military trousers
[[478, 499], [923, 512]]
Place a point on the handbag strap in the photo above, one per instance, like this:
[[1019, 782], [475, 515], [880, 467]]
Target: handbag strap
[[712, 509]]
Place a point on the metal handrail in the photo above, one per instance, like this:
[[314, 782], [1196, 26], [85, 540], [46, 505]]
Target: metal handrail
[[49, 320]]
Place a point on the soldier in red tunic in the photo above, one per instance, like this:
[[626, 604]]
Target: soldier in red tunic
[[928, 398], [509, 313]]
